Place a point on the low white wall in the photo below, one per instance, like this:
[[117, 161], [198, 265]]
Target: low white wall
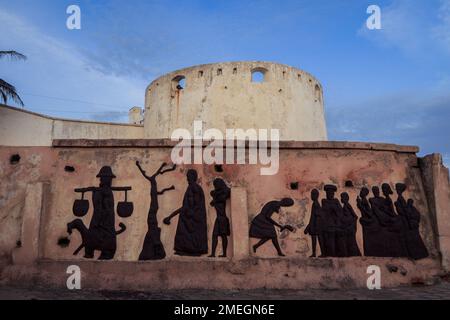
[[23, 128]]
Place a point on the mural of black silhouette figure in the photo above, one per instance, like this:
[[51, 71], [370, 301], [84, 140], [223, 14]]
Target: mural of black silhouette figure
[[153, 249], [373, 240], [411, 220], [263, 226], [395, 224], [101, 234], [220, 195], [349, 224], [191, 237], [315, 224], [391, 230], [332, 230]]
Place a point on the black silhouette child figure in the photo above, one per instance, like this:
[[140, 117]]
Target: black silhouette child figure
[[314, 226], [220, 195], [263, 226], [153, 249]]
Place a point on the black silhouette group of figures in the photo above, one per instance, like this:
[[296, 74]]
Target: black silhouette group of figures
[[390, 229]]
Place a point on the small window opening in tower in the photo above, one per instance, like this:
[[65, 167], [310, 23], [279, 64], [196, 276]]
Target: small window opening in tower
[[258, 75], [318, 93], [179, 82]]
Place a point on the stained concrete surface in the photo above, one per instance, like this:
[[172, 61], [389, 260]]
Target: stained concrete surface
[[439, 291]]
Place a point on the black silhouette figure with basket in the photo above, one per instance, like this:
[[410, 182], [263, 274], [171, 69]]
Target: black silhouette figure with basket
[[101, 234]]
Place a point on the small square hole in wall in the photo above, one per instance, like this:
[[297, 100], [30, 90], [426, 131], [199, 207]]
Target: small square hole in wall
[[69, 169], [219, 72], [218, 168], [14, 159], [349, 184], [293, 185], [63, 242], [200, 74]]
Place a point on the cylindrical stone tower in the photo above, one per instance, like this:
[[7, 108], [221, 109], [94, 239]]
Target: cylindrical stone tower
[[237, 95]]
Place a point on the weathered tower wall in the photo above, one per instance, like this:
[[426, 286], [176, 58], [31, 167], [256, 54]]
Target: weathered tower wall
[[224, 96]]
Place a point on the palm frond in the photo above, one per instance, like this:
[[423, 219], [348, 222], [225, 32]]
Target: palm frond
[[8, 91], [13, 55]]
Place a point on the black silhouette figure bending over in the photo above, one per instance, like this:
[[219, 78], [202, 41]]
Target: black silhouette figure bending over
[[153, 249], [263, 226], [191, 238], [220, 195], [315, 224], [349, 224], [101, 234]]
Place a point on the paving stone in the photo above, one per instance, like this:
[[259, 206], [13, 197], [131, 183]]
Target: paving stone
[[437, 292]]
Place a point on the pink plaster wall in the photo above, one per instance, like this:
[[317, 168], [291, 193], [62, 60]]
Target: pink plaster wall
[[311, 167]]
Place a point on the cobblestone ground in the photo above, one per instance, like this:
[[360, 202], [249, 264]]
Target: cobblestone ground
[[437, 292]]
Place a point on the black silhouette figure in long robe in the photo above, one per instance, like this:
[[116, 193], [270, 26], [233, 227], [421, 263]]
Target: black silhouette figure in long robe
[[314, 226], [387, 237], [333, 233], [220, 195], [263, 226], [373, 240], [396, 227], [101, 234], [191, 237], [411, 221], [153, 249], [349, 224]]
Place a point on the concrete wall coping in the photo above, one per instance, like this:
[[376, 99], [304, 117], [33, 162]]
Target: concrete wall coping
[[68, 120], [167, 143]]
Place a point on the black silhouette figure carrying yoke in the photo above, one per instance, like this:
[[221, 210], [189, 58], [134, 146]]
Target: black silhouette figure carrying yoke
[[101, 234]]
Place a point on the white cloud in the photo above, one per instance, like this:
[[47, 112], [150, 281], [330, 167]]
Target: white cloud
[[56, 68], [441, 32], [411, 26]]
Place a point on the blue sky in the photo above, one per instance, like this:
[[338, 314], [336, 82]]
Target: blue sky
[[389, 85]]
